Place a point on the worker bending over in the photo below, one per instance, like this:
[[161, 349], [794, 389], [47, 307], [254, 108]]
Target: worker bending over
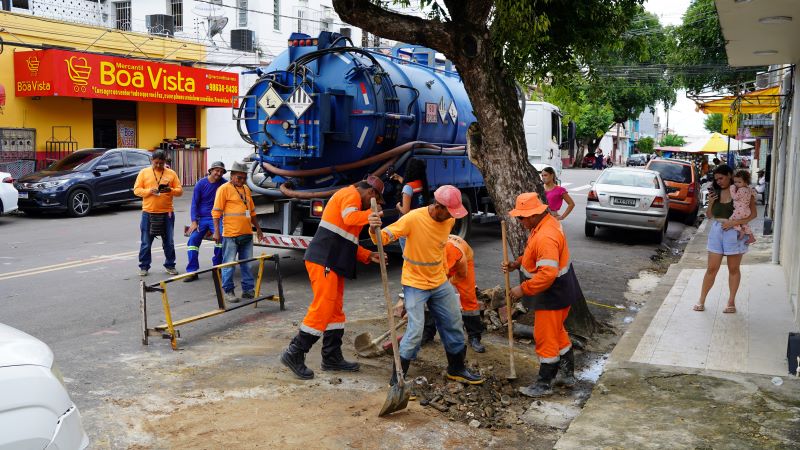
[[330, 258], [553, 284], [424, 279], [460, 265]]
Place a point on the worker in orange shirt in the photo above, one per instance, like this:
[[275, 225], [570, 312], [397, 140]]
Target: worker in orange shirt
[[157, 186], [460, 266], [234, 208], [425, 282], [554, 287], [330, 258]]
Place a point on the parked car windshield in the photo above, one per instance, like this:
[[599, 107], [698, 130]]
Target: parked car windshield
[[76, 161], [629, 178], [679, 173]]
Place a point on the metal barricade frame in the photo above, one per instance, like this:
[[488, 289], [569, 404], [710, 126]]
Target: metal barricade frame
[[168, 330]]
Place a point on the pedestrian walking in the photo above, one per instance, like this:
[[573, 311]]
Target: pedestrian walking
[[723, 239], [598, 159], [157, 186], [203, 196], [234, 217], [425, 281], [330, 258], [551, 279], [556, 195]]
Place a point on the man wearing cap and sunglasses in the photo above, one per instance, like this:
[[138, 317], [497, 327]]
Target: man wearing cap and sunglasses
[[425, 280], [203, 196], [554, 287], [330, 258]]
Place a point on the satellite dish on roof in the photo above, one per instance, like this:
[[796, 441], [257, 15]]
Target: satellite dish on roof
[[215, 26]]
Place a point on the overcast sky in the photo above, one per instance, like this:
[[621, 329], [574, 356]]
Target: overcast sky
[[682, 117]]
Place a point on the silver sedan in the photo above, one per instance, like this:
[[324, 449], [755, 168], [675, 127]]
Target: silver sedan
[[628, 198]]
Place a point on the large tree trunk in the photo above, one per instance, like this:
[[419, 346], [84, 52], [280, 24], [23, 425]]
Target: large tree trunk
[[496, 143]]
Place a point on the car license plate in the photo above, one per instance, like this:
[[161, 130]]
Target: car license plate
[[23, 195], [624, 201]]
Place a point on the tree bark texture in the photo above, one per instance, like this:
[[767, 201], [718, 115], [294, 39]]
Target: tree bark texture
[[496, 143]]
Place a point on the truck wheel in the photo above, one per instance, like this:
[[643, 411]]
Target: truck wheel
[[589, 229], [79, 203], [463, 226]]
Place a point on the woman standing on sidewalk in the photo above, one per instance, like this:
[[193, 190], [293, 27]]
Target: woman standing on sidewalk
[[556, 195], [723, 239]]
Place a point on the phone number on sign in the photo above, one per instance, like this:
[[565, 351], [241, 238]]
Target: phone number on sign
[[227, 88]]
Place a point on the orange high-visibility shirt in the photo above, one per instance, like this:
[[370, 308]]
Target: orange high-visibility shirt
[[423, 257], [235, 207], [149, 179], [460, 265], [546, 256]]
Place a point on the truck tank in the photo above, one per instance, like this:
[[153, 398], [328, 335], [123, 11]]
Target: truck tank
[[325, 114]]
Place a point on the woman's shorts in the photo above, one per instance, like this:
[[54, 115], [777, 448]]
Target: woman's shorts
[[725, 242]]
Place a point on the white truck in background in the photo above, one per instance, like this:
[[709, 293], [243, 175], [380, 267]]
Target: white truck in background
[[542, 123]]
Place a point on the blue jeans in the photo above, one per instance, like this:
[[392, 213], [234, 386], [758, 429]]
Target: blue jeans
[[443, 305], [146, 242], [204, 225], [243, 247]]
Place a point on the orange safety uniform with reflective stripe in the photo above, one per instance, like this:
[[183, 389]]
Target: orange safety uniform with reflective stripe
[[552, 284], [460, 265], [331, 257], [235, 207], [149, 179]]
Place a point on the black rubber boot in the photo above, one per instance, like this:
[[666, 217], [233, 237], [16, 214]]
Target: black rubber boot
[[544, 385], [429, 329], [457, 371], [566, 370], [332, 359], [294, 357], [474, 327], [405, 364]]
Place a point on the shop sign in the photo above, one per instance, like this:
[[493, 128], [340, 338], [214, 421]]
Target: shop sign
[[126, 133], [72, 74]]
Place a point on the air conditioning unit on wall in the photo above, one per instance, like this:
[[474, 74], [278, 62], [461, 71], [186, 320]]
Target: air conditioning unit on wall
[[243, 40], [160, 24]]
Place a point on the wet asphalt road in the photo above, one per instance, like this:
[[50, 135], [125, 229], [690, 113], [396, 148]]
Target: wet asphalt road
[[73, 283]]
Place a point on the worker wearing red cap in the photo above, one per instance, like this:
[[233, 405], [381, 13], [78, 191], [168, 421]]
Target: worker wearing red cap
[[425, 281], [330, 258], [554, 287]]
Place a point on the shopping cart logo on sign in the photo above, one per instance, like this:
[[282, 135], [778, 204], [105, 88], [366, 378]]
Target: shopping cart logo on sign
[[78, 70], [33, 65]]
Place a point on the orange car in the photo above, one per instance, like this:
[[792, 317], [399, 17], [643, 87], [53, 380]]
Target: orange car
[[683, 186]]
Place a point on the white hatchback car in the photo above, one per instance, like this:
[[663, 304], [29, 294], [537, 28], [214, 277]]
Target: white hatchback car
[[35, 409], [8, 194]]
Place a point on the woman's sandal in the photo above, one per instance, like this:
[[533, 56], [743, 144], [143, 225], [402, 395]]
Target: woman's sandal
[[699, 308], [729, 310]]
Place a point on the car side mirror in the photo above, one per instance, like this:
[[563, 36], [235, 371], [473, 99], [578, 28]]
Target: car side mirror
[[101, 168]]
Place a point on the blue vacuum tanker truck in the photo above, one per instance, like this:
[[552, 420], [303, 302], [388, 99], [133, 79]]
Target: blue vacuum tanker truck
[[325, 114]]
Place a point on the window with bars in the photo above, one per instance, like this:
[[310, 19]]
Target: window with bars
[[300, 16], [123, 15], [242, 12], [276, 15], [175, 9]]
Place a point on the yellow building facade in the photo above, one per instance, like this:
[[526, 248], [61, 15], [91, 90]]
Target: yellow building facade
[[90, 122]]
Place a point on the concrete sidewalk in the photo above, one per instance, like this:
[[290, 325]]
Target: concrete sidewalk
[[685, 379]]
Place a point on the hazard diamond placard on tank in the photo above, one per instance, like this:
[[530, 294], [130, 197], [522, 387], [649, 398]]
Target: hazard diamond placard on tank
[[299, 101], [270, 101]]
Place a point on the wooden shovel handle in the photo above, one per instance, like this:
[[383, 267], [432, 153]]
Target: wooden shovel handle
[[508, 302]]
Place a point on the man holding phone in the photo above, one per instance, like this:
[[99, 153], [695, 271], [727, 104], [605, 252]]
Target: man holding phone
[[157, 185]]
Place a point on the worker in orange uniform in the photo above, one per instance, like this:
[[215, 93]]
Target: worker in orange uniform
[[157, 186], [553, 284], [460, 265], [425, 282], [330, 258]]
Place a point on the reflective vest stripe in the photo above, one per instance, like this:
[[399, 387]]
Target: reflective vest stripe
[[335, 229], [418, 263], [547, 262], [241, 214], [192, 247], [346, 212]]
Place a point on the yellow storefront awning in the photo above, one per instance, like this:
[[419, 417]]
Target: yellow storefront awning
[[762, 101]]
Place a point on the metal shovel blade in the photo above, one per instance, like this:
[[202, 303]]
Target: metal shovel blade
[[396, 400]]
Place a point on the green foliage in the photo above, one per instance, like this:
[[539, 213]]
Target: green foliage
[[713, 123], [673, 140], [592, 119], [646, 144], [700, 42]]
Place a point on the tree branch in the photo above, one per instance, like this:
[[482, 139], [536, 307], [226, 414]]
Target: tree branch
[[474, 12], [395, 26]]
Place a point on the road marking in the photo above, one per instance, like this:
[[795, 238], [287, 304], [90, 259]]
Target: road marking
[[581, 188], [74, 264]]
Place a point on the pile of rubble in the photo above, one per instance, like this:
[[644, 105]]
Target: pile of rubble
[[493, 301]]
